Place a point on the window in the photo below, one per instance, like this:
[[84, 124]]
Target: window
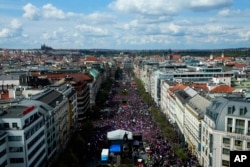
[[6, 125], [15, 149], [238, 143], [41, 154], [36, 149], [14, 125], [230, 110], [16, 160], [239, 126], [239, 131], [4, 164], [226, 140], [248, 129], [226, 151], [15, 138], [229, 121], [33, 141], [229, 124], [243, 111], [2, 141], [225, 163], [248, 144], [3, 153], [240, 122]]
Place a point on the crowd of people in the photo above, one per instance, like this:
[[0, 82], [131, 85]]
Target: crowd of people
[[132, 114]]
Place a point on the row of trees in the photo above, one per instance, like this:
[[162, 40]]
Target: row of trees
[[168, 130], [75, 153]]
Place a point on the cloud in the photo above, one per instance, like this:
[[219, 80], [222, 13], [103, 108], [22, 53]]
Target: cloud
[[244, 35], [131, 24], [234, 13], [100, 18], [206, 5], [15, 24], [13, 29], [59, 33], [172, 29], [31, 12], [167, 7], [148, 7], [4, 32], [91, 31], [49, 11]]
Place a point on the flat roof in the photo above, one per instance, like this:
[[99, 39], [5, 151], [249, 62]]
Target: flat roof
[[15, 111]]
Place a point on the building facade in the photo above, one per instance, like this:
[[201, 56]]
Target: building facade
[[225, 127], [26, 140]]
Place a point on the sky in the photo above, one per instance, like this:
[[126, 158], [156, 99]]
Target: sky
[[125, 24]]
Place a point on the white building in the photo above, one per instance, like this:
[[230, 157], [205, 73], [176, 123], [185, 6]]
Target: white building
[[3, 148], [146, 69], [56, 117], [194, 113], [226, 127], [220, 80], [94, 86], [164, 104], [26, 139], [36, 129]]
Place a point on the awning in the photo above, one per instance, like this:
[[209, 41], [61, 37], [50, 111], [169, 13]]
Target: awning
[[115, 149], [119, 134]]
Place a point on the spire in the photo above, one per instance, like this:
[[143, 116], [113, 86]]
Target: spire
[[211, 57]]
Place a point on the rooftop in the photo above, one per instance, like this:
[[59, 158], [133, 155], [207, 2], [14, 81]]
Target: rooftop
[[222, 89], [14, 111], [50, 97]]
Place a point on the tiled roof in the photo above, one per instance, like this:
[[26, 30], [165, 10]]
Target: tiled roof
[[91, 58], [222, 89], [85, 77], [237, 64], [199, 86], [177, 86], [76, 76], [240, 65], [221, 58]]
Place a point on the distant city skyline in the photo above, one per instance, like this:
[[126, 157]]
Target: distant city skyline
[[125, 24]]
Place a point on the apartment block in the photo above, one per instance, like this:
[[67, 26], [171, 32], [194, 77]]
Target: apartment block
[[225, 127], [25, 141], [3, 148]]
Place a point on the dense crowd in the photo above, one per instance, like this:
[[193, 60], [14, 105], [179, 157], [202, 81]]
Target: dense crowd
[[132, 115]]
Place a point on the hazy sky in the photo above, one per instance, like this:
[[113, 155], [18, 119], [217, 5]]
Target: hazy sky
[[125, 24]]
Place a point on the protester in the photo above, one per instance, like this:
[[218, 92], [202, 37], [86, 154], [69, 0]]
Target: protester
[[133, 115]]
